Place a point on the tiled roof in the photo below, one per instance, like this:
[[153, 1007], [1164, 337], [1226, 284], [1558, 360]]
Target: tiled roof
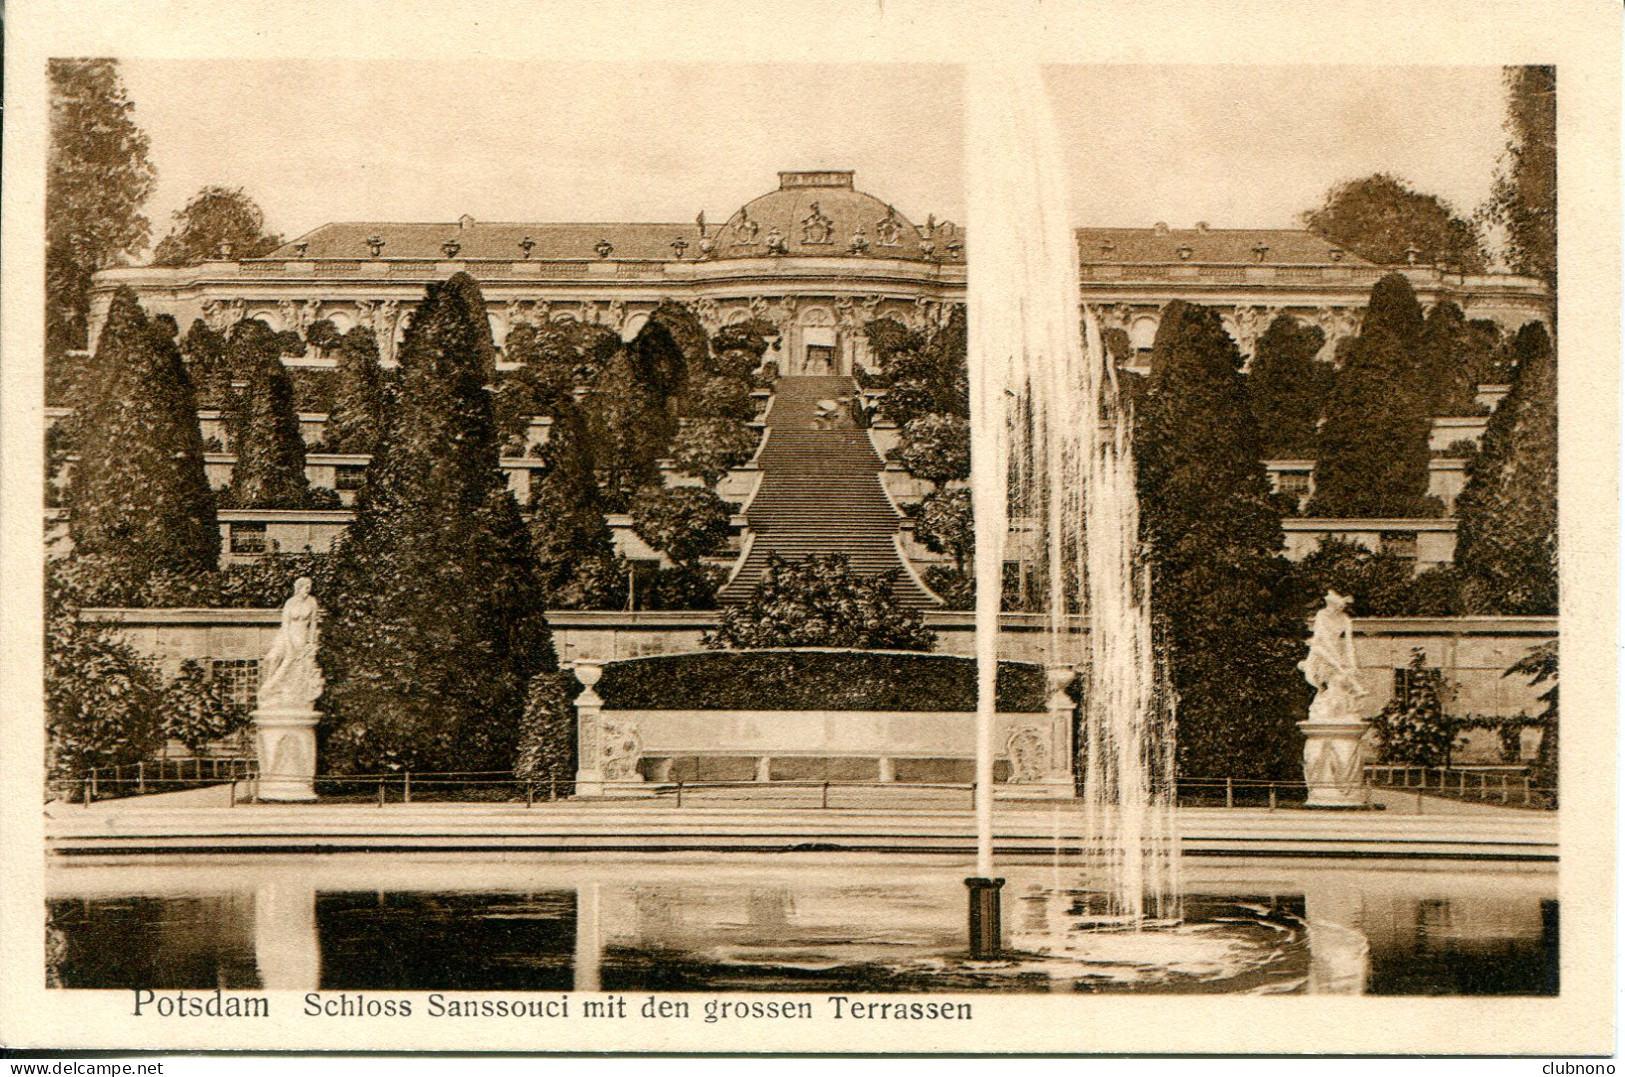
[[1286, 246], [495, 240]]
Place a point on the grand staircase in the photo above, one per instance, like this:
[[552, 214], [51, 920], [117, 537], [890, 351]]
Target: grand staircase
[[820, 493]]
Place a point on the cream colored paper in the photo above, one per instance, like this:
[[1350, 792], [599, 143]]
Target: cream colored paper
[[1582, 39]]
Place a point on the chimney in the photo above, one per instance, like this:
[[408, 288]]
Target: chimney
[[1160, 228], [1201, 226], [465, 222]]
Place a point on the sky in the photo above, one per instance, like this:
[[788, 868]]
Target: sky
[[313, 142]]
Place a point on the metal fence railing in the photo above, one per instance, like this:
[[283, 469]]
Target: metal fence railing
[[1506, 785]]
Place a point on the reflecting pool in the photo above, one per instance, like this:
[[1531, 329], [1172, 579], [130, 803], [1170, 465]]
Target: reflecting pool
[[785, 922]]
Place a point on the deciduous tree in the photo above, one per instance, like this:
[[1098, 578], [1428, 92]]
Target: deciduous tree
[[218, 222], [98, 176], [1382, 218]]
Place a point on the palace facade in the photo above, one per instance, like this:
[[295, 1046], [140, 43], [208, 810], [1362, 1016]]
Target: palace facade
[[817, 257]]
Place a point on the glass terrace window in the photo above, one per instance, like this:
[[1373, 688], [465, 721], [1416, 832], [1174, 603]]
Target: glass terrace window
[[248, 538], [239, 676], [349, 476]]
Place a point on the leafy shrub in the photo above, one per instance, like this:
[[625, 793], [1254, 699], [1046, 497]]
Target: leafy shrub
[[1460, 449], [1415, 730], [266, 582], [781, 679], [198, 710], [935, 448], [953, 585], [685, 522], [1379, 582], [101, 700], [944, 523], [723, 398], [820, 602], [708, 448], [682, 587]]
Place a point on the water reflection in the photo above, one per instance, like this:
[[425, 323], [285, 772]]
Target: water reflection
[[781, 924]]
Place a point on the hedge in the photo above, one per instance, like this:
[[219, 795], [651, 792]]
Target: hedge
[[790, 680]]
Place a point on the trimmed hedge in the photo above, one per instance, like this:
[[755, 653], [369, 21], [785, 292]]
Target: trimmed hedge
[[789, 680]]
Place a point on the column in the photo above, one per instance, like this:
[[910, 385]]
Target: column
[[589, 730]]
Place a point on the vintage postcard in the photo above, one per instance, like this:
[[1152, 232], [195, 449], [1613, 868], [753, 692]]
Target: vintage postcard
[[813, 528]]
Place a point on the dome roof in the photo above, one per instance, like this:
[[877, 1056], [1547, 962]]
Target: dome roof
[[819, 214]]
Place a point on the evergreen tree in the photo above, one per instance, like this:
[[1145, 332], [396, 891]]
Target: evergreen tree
[[1373, 450], [264, 427], [435, 625], [97, 178], [357, 415], [1288, 387], [205, 353], [660, 367], [1506, 540], [576, 564], [140, 501], [629, 423], [1227, 614], [1447, 376]]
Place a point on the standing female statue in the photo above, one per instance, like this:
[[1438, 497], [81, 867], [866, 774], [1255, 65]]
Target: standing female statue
[[291, 679], [1331, 666]]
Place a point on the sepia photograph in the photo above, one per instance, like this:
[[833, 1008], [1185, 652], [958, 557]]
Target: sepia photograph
[[697, 548]]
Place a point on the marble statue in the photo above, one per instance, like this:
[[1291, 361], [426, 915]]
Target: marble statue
[[290, 678], [1333, 761], [1331, 666]]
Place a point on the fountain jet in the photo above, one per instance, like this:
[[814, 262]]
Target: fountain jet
[[1052, 471]]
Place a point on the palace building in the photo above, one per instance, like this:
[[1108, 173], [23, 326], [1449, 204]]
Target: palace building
[[819, 259], [816, 256]]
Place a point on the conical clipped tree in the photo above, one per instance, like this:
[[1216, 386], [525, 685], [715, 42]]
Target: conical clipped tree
[[1227, 615], [629, 416], [435, 625], [205, 353], [575, 553], [1506, 542], [665, 371], [357, 416], [264, 427], [1448, 384], [1288, 387], [1373, 452], [139, 500]]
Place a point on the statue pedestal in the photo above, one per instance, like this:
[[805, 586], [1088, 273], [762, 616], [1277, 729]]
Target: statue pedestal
[[287, 749], [1333, 764]]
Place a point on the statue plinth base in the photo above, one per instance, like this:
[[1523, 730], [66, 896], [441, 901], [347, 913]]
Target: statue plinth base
[[286, 739], [1334, 764]]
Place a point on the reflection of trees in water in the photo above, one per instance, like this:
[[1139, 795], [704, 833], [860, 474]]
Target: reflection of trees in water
[[200, 942]]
